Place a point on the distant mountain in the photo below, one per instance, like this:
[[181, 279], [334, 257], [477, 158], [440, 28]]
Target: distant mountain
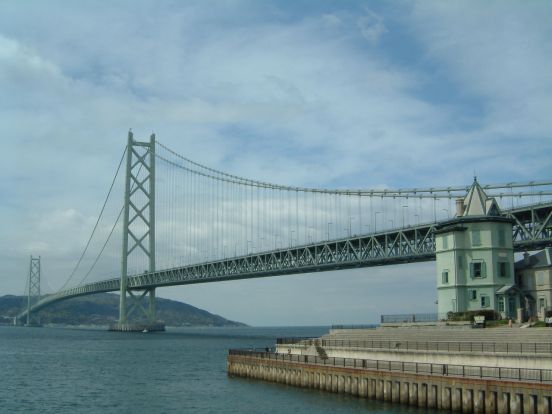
[[103, 309]]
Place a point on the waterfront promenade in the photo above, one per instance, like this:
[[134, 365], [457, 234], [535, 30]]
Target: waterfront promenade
[[504, 347]]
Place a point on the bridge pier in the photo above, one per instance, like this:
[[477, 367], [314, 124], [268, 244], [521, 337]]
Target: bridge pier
[[137, 327], [147, 321]]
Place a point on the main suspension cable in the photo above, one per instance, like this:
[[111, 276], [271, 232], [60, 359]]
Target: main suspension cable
[[102, 249], [431, 193], [97, 222]]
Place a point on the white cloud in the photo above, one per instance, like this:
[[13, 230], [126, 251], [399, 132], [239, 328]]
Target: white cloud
[[16, 59], [371, 26], [331, 20], [499, 53]]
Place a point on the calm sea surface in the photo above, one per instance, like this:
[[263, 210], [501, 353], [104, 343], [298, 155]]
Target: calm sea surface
[[62, 370]]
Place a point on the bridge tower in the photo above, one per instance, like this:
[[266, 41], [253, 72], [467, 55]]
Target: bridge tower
[[33, 294], [138, 235]]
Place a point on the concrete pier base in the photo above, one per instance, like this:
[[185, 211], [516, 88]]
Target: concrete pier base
[[456, 399], [413, 394], [479, 402], [491, 402], [467, 401], [137, 327], [422, 395]]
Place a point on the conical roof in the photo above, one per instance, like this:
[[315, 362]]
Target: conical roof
[[477, 203]]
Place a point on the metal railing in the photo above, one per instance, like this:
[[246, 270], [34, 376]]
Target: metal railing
[[307, 340], [477, 347], [464, 371], [412, 317], [369, 326]]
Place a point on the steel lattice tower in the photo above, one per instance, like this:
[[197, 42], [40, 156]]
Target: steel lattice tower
[[138, 224], [33, 293]]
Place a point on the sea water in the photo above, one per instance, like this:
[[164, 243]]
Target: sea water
[[183, 370]]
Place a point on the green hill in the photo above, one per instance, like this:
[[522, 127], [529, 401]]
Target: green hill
[[103, 309]]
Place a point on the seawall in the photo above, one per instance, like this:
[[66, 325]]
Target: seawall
[[441, 388]]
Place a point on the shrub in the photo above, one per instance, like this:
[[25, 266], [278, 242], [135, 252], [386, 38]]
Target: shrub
[[489, 314]]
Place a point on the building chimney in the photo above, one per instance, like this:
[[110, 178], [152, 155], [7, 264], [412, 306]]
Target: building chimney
[[459, 207], [526, 258]]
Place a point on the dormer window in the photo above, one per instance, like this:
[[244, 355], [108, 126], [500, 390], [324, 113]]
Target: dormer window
[[493, 209]]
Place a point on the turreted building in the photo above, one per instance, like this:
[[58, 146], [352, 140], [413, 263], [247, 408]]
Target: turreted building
[[475, 258]]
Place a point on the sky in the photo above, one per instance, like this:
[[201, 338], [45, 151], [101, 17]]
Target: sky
[[357, 94]]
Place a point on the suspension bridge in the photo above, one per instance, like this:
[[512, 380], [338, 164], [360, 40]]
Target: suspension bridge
[[182, 222]]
